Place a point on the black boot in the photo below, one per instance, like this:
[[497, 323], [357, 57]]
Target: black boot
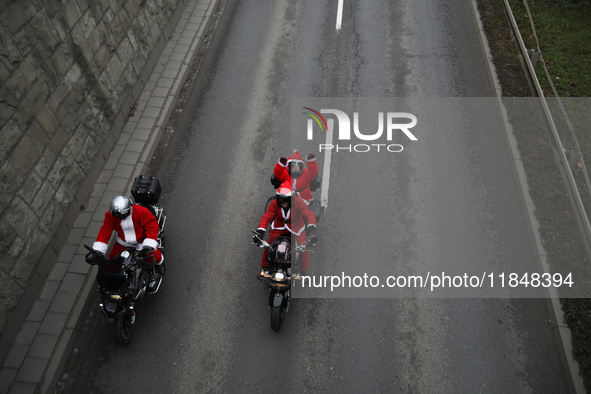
[[154, 283]]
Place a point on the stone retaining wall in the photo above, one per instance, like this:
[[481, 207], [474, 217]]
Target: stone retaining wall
[[70, 70]]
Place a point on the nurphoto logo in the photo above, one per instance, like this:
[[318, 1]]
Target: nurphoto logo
[[396, 123]]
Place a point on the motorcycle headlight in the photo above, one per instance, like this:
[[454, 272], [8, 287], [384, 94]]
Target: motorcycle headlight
[[278, 276]]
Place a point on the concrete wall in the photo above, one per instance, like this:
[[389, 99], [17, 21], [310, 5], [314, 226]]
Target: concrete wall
[[70, 70]]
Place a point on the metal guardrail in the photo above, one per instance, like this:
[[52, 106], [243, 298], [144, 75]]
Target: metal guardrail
[[554, 139]]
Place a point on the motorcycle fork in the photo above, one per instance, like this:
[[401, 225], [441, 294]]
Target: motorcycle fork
[[286, 300], [277, 298], [131, 308]]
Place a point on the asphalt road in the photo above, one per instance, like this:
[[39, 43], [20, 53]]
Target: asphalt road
[[449, 197]]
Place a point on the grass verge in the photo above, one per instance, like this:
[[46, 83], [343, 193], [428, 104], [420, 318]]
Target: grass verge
[[564, 31]]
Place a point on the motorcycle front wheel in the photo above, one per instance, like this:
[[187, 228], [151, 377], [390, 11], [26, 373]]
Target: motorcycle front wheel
[[124, 327], [276, 317]]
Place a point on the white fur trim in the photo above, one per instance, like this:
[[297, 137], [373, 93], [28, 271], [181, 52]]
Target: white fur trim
[[285, 215], [286, 227], [304, 200], [128, 230], [276, 228], [298, 233], [100, 247], [150, 242]]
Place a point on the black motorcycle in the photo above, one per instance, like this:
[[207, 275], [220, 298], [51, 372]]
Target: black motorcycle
[[123, 280], [280, 257], [131, 275]]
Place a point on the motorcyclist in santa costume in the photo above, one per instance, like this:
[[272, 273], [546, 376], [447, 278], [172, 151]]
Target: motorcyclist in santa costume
[[286, 215], [292, 173], [136, 227]]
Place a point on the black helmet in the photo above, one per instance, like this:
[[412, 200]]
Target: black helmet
[[120, 206], [295, 168], [284, 194]]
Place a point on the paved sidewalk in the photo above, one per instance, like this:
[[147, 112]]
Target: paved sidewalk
[[42, 346]]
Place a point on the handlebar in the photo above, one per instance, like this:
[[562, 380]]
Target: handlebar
[[302, 248], [94, 257], [264, 244]]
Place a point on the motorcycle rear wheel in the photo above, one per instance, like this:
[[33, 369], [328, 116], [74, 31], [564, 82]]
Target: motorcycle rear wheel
[[276, 318], [124, 328]]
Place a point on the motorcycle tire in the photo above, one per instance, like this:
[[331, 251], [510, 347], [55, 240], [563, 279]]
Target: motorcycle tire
[[276, 317], [124, 327]]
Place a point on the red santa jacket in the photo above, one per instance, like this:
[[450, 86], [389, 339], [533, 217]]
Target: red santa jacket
[[136, 230], [292, 220], [302, 183]]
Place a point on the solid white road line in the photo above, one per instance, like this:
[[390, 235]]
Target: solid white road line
[[326, 168], [339, 14]]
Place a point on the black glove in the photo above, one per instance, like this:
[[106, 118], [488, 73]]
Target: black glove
[[311, 235], [257, 238], [275, 182], [146, 250], [315, 183], [310, 157]]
